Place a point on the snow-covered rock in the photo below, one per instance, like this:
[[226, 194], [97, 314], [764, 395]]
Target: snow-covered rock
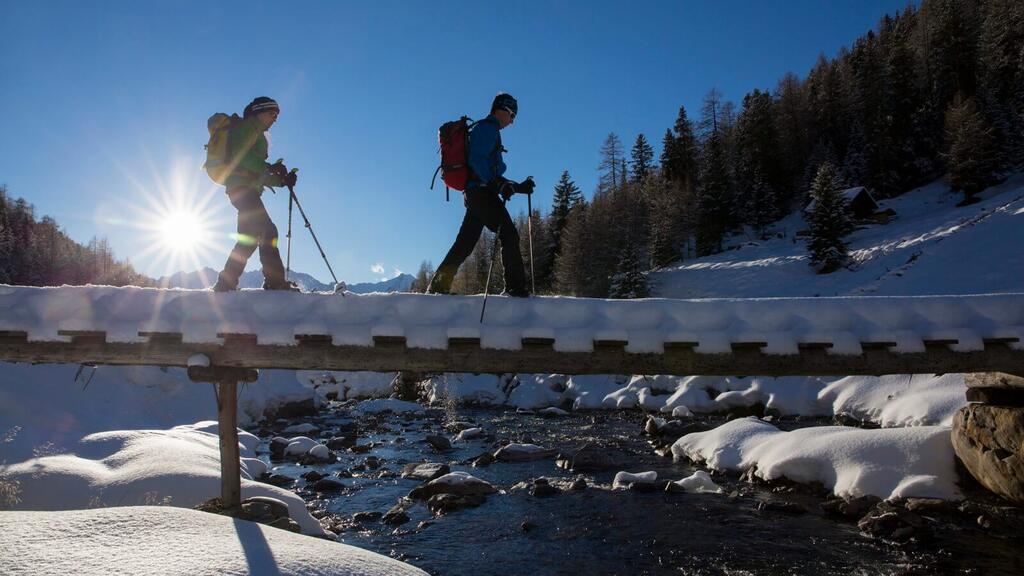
[[300, 446], [851, 462], [523, 453], [624, 479], [699, 482], [470, 434], [457, 483], [304, 428]]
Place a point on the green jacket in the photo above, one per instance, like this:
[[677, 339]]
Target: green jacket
[[247, 147]]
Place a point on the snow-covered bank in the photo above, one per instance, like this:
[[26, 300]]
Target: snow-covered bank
[[172, 541], [177, 467], [851, 462], [888, 401], [46, 408]]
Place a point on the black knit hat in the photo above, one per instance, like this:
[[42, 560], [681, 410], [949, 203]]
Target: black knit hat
[[505, 101], [260, 104]]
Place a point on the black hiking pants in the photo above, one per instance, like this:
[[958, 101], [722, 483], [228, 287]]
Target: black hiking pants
[[255, 230], [483, 208]]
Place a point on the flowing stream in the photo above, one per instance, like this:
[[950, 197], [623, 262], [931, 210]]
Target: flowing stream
[[598, 530]]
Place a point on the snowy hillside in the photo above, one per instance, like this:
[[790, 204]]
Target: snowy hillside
[[205, 278], [931, 247]]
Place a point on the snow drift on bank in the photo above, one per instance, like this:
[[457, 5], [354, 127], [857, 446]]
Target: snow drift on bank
[[150, 540], [177, 467]]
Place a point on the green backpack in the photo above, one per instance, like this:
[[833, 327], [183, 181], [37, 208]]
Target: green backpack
[[218, 164]]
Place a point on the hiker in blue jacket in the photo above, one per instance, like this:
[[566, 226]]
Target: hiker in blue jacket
[[484, 198]]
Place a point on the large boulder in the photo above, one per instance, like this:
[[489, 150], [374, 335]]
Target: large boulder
[[990, 442], [425, 471], [588, 458]]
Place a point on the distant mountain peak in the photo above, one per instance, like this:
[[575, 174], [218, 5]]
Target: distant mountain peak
[[207, 277]]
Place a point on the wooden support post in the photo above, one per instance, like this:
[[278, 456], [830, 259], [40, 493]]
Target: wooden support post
[[226, 379], [230, 468]]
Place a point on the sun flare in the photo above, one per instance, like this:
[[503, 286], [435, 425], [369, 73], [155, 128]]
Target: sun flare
[[179, 218], [183, 231]]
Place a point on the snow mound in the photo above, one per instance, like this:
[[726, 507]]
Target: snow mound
[[154, 540], [851, 462], [900, 400], [177, 467]]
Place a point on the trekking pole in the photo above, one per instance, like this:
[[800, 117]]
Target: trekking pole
[[288, 259], [490, 268], [337, 285], [529, 234]]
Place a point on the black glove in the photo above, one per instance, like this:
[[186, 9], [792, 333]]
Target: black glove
[[276, 174], [526, 186], [507, 188], [290, 178]]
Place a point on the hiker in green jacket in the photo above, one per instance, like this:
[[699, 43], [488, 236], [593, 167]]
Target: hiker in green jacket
[[247, 149]]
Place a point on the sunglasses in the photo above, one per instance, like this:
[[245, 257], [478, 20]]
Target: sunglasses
[[510, 111]]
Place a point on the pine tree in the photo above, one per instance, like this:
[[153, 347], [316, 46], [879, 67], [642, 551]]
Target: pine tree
[[667, 222], [571, 271], [668, 154], [1001, 75], [423, 276], [567, 194], [793, 127], [642, 155], [629, 281], [610, 168], [972, 165], [829, 223], [758, 176], [714, 199]]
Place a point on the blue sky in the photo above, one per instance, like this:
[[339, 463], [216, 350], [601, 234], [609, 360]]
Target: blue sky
[[105, 103]]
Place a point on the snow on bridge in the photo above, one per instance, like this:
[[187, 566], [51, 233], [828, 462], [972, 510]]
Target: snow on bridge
[[384, 332]]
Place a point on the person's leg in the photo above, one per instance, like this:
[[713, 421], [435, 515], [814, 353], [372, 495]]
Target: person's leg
[[245, 242], [469, 233], [270, 256], [487, 207]]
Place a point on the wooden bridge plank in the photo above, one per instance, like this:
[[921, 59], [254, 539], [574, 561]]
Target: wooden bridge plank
[[389, 341], [535, 356]]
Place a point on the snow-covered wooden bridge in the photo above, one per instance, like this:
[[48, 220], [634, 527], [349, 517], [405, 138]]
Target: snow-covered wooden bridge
[[223, 338], [422, 333]]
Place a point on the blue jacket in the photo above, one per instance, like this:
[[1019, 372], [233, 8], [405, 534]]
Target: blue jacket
[[485, 152]]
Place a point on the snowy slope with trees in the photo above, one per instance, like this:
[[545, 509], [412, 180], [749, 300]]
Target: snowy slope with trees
[[931, 247]]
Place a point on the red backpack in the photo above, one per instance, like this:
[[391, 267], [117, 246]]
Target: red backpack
[[453, 138]]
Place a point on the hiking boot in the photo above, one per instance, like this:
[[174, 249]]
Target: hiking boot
[[523, 293], [222, 286], [287, 285]]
